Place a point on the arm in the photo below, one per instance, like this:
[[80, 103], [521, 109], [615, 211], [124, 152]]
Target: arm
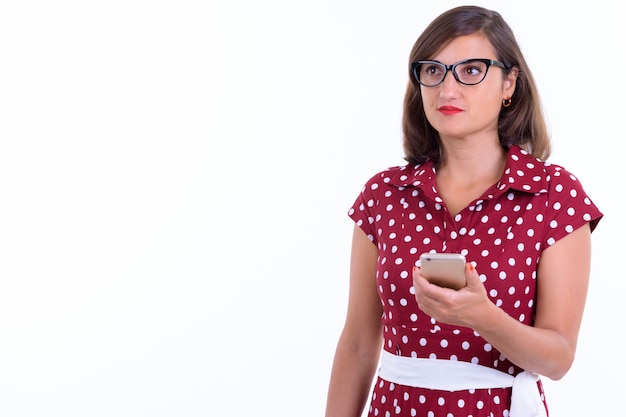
[[359, 345], [548, 347]]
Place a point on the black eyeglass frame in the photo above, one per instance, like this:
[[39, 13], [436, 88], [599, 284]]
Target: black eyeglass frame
[[452, 68]]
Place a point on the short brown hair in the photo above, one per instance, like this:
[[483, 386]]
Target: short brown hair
[[522, 123]]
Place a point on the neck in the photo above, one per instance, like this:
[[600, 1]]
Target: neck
[[467, 173], [481, 163]]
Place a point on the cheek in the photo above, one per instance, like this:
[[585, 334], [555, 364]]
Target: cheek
[[428, 95], [431, 115], [488, 101], [428, 101], [485, 112]]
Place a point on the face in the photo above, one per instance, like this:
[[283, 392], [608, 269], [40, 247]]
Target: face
[[466, 112]]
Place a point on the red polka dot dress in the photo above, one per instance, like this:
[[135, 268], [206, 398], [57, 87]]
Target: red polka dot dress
[[503, 233]]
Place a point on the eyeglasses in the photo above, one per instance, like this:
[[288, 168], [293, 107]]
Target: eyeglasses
[[467, 72]]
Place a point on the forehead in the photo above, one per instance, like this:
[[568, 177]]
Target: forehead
[[464, 47]]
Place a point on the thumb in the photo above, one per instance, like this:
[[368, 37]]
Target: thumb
[[471, 275]]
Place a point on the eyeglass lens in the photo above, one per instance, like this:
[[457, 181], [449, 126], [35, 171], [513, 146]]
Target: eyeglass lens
[[469, 72]]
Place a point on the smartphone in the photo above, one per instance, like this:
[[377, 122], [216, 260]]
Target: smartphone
[[444, 269]]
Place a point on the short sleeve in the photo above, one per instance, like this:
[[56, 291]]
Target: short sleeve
[[363, 211], [569, 206]]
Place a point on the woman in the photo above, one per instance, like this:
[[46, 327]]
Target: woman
[[476, 184]]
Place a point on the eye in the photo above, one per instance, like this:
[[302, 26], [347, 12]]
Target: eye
[[432, 69], [471, 70]]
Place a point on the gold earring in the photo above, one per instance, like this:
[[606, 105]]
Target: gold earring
[[507, 102]]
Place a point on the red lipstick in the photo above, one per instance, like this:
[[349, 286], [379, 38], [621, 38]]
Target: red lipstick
[[449, 110]]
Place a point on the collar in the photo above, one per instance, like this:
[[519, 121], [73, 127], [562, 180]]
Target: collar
[[522, 172]]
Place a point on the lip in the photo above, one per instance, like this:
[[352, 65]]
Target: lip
[[449, 110]]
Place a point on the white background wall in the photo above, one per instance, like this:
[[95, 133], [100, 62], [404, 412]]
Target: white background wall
[[174, 182]]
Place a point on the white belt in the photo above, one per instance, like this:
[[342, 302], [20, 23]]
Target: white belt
[[450, 375]]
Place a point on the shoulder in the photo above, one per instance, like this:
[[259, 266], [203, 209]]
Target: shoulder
[[525, 163], [527, 173], [566, 195], [565, 198], [560, 179], [394, 176]]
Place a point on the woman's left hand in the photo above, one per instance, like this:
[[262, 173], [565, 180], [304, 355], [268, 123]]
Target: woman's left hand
[[457, 307]]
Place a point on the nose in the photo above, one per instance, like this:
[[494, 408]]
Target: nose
[[449, 87]]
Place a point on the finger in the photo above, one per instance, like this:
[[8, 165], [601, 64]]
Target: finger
[[418, 279], [474, 281], [425, 290], [423, 286]]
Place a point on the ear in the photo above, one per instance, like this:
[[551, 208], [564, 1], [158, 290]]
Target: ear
[[510, 82]]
